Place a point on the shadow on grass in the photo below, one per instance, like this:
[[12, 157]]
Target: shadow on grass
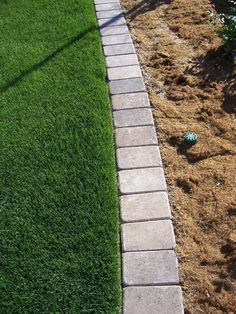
[[52, 55], [142, 7]]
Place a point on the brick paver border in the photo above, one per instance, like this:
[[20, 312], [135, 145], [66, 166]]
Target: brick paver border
[[150, 277]]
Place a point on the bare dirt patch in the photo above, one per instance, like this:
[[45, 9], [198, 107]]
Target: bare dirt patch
[[192, 87]]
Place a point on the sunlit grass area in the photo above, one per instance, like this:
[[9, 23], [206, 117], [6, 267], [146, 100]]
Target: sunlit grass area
[[59, 248]]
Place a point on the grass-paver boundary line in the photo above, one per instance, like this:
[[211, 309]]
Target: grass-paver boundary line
[[150, 266]]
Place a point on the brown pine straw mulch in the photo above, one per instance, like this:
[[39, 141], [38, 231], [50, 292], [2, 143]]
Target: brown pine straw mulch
[[192, 87]]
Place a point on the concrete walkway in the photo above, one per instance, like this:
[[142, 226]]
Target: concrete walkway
[[149, 263]]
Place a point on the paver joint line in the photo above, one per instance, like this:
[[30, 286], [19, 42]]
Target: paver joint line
[[153, 300], [133, 117], [109, 14], [130, 101], [135, 136], [116, 39], [150, 268], [142, 180], [121, 60], [147, 236], [149, 263], [145, 206], [119, 49], [113, 30], [107, 6]]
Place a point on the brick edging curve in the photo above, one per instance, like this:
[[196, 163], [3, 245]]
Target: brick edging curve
[[150, 277]]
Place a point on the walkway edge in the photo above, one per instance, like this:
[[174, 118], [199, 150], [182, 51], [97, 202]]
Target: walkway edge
[[149, 264]]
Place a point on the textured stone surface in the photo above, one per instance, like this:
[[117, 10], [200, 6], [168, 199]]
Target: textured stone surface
[[107, 6], [116, 39], [109, 14], [153, 300], [150, 268], [111, 21], [135, 136], [148, 235], [105, 1], [125, 72], [147, 206], [146, 267], [142, 180], [133, 117], [130, 101], [127, 86], [114, 30], [113, 50], [121, 60], [138, 157]]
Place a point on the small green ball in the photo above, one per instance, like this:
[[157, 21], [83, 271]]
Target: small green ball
[[190, 138]]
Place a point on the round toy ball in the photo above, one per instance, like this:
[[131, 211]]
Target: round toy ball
[[190, 138]]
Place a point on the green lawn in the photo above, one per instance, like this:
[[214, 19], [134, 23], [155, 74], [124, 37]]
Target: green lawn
[[59, 243]]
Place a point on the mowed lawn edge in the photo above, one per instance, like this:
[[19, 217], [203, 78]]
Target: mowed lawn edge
[[59, 231]]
